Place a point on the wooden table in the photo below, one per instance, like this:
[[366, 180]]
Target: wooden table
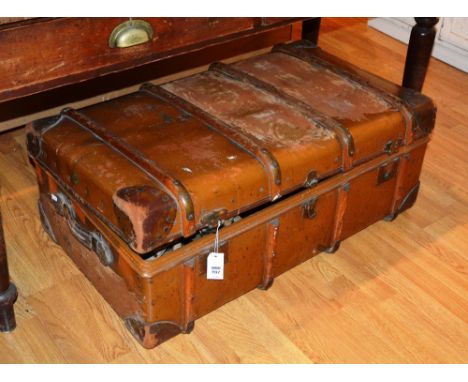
[[38, 69]]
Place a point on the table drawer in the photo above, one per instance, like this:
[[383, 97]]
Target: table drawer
[[41, 54]]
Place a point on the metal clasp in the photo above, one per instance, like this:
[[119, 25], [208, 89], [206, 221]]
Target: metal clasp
[[308, 208], [311, 180], [211, 219], [387, 171]]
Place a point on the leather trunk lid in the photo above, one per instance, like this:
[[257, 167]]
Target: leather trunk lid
[[169, 160]]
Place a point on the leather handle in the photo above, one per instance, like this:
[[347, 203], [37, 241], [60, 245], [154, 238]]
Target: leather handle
[[93, 240]]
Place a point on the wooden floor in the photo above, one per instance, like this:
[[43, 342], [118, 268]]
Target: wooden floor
[[396, 292]]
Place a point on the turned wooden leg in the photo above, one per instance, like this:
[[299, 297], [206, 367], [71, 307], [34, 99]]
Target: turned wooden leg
[[310, 29], [419, 52], [8, 293]]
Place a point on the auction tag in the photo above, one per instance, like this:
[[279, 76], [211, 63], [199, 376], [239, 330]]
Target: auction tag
[[215, 266]]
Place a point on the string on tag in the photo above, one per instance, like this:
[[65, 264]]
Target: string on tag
[[216, 243], [215, 260]]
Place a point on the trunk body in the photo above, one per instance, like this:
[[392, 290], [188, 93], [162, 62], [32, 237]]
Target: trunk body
[[291, 151]]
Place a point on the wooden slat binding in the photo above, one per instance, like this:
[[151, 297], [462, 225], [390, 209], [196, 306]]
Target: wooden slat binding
[[400, 177], [187, 295], [298, 51], [341, 205], [270, 250], [342, 134], [246, 143], [175, 187]]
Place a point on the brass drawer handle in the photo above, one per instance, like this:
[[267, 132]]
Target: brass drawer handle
[[130, 33]]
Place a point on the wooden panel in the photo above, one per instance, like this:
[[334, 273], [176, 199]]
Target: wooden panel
[[33, 56], [8, 20], [275, 20], [17, 111]]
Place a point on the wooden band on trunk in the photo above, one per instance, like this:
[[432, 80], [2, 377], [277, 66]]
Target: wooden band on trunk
[[297, 50], [187, 294], [341, 205], [149, 168], [270, 252], [246, 143], [342, 134]]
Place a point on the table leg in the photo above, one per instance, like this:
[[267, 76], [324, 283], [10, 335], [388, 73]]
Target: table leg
[[310, 29], [8, 293], [419, 52]]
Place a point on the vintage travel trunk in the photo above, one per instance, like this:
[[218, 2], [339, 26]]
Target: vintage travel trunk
[[287, 153]]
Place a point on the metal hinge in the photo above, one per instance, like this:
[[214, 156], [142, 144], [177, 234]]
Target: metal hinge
[[311, 180]]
